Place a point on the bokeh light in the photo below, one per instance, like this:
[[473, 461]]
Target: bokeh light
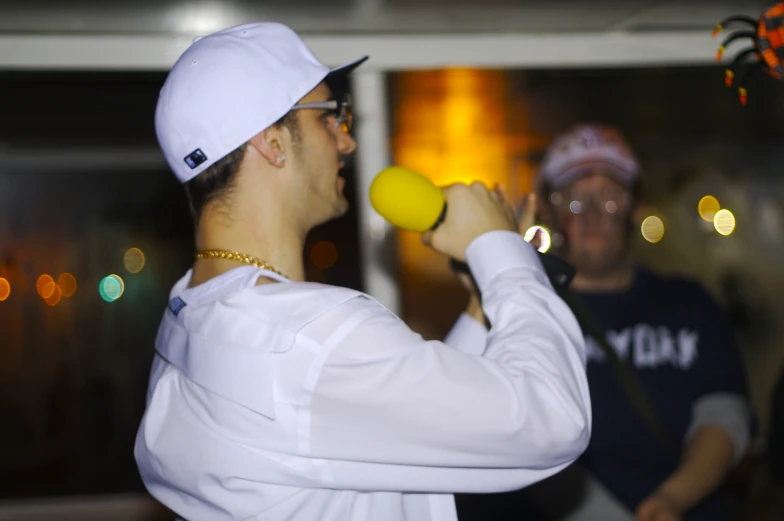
[[134, 260], [544, 237], [111, 288], [323, 255], [67, 284], [45, 286], [652, 229], [724, 222], [55, 296], [708, 207], [5, 289]]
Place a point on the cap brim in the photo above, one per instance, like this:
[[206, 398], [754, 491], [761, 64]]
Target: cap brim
[[347, 68], [581, 170]]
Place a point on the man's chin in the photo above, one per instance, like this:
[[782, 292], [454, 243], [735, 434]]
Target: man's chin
[[342, 208], [339, 209], [596, 265]]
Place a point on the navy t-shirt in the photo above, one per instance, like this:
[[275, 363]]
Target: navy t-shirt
[[674, 336]]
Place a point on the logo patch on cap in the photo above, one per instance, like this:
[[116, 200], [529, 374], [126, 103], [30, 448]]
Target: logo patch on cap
[[195, 158], [176, 305]]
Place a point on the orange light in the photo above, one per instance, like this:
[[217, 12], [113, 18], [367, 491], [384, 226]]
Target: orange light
[[5, 289], [455, 125], [134, 260], [67, 284], [323, 255], [45, 286], [54, 298], [707, 207]]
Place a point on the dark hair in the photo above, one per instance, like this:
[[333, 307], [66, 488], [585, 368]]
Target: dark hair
[[218, 180]]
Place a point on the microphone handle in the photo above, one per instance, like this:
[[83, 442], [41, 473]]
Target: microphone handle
[[558, 270], [440, 219]]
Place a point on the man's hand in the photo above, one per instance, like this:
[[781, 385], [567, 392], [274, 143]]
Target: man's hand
[[658, 507], [528, 219], [474, 308], [706, 461], [472, 211]]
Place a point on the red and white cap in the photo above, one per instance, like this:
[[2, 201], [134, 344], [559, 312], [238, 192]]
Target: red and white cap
[[229, 86], [585, 150]]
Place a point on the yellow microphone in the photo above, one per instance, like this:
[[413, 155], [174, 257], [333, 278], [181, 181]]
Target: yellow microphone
[[407, 199], [412, 202]]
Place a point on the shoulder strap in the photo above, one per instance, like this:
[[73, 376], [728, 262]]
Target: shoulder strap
[[626, 378]]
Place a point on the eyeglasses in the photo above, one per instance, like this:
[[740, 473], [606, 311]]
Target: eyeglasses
[[610, 201], [341, 109]]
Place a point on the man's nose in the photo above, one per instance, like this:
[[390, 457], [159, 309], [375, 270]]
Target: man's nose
[[346, 143]]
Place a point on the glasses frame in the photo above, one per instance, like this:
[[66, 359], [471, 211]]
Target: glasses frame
[[342, 108], [562, 201]]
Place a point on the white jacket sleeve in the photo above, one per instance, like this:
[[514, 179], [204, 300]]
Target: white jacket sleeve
[[390, 411], [467, 335]]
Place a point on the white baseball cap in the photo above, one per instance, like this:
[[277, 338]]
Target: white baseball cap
[[229, 86], [587, 149]]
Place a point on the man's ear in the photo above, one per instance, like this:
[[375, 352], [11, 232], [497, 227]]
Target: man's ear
[[269, 143]]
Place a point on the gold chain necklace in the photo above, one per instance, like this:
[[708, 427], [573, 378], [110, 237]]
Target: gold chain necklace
[[240, 257]]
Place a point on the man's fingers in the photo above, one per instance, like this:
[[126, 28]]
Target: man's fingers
[[645, 512], [529, 214], [500, 196], [655, 511]]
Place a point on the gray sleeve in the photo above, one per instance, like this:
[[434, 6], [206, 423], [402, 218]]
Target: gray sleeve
[[728, 411]]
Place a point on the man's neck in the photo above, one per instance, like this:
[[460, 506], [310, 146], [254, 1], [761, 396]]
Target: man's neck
[[613, 281], [276, 245]]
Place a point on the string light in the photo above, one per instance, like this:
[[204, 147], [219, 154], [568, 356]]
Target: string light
[[134, 260], [707, 208], [54, 298], [45, 286], [67, 284], [724, 222], [111, 288], [652, 229]]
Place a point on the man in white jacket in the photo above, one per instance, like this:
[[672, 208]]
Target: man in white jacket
[[277, 399]]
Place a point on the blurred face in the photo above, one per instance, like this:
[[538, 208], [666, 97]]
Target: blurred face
[[593, 213], [318, 154]]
